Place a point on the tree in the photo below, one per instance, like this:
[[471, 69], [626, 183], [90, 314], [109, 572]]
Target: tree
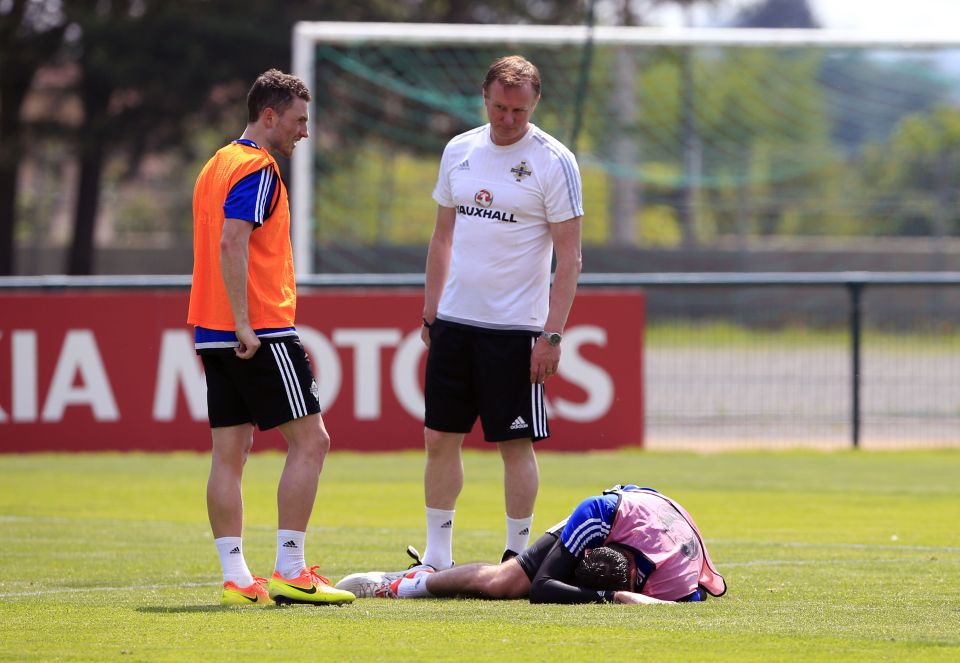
[[912, 177], [149, 66], [778, 14], [30, 32], [691, 140]]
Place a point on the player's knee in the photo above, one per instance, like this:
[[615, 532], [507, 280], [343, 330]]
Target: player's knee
[[438, 444], [307, 435], [505, 583], [323, 443], [431, 438], [517, 451], [317, 449]]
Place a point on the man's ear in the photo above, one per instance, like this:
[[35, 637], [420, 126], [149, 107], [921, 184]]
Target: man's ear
[[269, 117]]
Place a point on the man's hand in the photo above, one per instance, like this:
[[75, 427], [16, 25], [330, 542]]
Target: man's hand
[[544, 361], [425, 335], [249, 343], [632, 598]]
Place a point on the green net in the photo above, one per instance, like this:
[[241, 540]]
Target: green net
[[675, 142]]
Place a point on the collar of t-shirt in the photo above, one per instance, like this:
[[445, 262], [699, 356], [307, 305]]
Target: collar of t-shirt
[[247, 142]]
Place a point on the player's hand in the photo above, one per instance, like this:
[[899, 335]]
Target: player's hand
[[249, 343], [544, 361], [633, 598], [425, 335]]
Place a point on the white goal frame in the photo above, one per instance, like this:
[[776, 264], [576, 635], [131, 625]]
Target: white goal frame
[[307, 34]]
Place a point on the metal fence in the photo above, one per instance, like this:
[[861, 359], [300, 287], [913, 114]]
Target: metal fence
[[767, 360], [825, 360]]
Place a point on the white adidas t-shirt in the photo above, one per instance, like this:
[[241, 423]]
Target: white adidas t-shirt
[[504, 197]]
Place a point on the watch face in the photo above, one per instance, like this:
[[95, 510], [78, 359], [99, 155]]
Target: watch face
[[553, 338]]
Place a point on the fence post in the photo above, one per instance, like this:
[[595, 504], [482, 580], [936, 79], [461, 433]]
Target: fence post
[[856, 329]]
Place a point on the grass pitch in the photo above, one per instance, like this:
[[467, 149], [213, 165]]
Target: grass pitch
[[844, 556]]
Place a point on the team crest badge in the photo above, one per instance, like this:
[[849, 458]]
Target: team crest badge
[[483, 198], [520, 171]]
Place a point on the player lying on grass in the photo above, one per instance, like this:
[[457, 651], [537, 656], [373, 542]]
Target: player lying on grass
[[628, 545]]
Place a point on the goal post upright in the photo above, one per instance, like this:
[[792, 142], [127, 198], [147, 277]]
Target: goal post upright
[[301, 164]]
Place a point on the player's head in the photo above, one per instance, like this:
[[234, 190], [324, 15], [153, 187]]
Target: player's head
[[513, 71], [605, 568], [511, 90], [274, 89]]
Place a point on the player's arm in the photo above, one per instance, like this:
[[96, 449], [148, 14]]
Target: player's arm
[[587, 527], [552, 582], [248, 205], [566, 244], [438, 266], [234, 256]]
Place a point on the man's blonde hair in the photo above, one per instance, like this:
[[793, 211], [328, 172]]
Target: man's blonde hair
[[513, 71]]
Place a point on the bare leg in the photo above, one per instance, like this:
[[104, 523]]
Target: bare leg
[[521, 477], [491, 581], [231, 446], [443, 475], [442, 483], [308, 443]]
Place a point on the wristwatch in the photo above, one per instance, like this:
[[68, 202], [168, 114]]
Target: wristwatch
[[553, 338]]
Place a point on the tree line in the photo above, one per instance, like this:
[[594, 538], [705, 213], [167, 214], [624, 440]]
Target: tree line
[[135, 76], [115, 81]]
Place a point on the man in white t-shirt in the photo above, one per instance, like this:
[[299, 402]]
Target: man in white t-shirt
[[509, 196]]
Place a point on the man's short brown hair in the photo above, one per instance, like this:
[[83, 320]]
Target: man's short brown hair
[[513, 71], [274, 89]]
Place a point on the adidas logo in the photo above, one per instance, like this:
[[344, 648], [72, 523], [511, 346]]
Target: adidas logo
[[518, 423], [464, 165], [290, 544], [235, 551], [447, 525], [524, 532]]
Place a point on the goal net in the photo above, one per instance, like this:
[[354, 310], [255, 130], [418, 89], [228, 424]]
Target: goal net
[[683, 137]]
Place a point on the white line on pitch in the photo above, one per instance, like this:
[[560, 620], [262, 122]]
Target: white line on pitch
[[804, 562], [841, 546]]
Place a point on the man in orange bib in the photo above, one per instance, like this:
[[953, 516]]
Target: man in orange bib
[[242, 305]]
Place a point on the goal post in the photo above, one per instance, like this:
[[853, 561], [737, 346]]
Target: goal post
[[694, 132]]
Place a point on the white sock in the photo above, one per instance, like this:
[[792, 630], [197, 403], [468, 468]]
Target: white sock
[[415, 587], [439, 551], [518, 533], [230, 550], [290, 559]]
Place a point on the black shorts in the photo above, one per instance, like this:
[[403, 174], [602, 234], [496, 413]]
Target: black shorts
[[531, 559], [474, 372], [273, 387]]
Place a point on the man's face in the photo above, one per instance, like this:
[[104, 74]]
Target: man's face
[[509, 110], [288, 127]]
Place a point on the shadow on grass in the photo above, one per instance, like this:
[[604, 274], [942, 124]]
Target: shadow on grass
[[160, 610], [178, 609]]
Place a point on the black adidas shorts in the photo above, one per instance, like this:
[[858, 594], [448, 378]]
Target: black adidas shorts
[[273, 387], [475, 372]]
